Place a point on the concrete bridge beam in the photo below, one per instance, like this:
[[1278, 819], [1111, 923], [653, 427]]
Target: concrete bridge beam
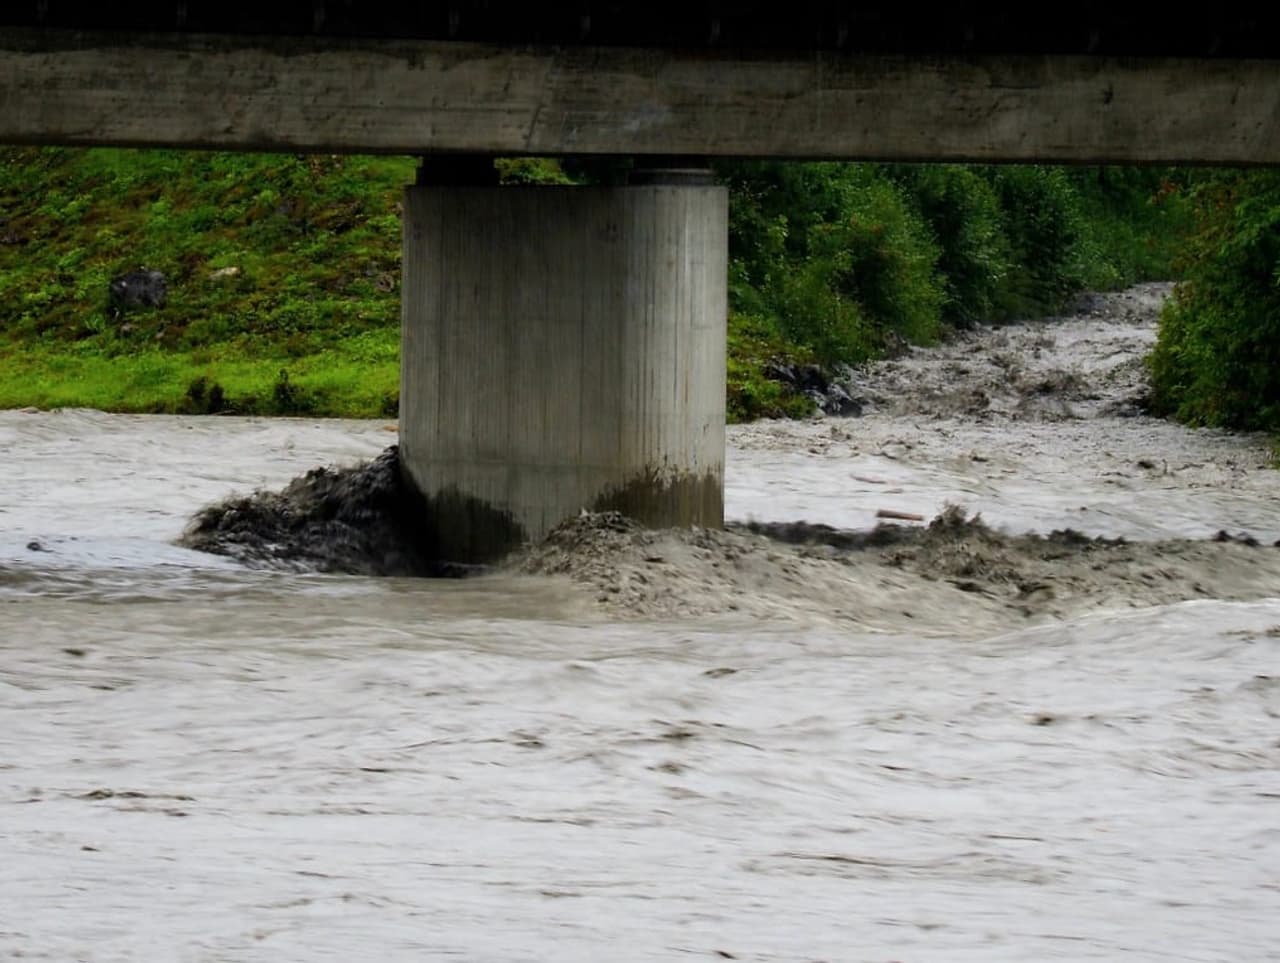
[[407, 96], [563, 349]]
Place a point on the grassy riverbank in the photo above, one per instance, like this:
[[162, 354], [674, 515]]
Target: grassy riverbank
[[283, 277], [357, 379], [283, 271]]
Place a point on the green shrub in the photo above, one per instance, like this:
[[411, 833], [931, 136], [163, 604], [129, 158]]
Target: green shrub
[[531, 170], [204, 398], [289, 398], [963, 213], [1138, 220], [834, 254], [1042, 219], [1217, 357], [754, 343], [880, 256], [817, 317]]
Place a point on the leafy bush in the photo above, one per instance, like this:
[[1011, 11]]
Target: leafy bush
[[204, 398], [754, 343], [964, 215], [531, 170], [834, 254], [1138, 220], [1217, 358], [1042, 219], [882, 258], [289, 398]]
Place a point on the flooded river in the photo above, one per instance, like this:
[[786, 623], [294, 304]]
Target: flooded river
[[950, 743]]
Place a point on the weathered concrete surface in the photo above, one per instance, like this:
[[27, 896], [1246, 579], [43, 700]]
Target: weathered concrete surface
[[563, 349], [332, 94]]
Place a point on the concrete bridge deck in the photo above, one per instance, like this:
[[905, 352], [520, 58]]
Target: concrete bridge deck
[[803, 80]]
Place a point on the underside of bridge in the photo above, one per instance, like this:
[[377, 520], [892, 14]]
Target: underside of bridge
[[1108, 29], [563, 348], [1081, 83]]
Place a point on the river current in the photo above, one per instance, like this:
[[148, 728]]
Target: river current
[[205, 761]]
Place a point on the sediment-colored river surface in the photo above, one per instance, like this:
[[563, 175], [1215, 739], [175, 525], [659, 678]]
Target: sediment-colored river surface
[[1042, 724]]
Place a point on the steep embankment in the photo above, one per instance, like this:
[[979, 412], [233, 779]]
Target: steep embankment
[[280, 281]]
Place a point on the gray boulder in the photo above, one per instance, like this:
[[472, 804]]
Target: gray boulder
[[143, 288]]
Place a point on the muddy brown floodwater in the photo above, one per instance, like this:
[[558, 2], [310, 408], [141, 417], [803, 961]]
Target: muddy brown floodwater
[[1043, 724]]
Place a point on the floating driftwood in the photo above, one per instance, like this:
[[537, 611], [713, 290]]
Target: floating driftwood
[[899, 516]]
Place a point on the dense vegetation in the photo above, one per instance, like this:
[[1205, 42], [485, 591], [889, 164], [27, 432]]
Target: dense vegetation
[[283, 271], [1217, 361], [837, 263]]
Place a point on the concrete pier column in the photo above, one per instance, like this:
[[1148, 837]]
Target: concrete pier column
[[563, 348]]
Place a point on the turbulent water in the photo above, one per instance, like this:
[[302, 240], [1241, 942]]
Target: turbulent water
[[781, 742]]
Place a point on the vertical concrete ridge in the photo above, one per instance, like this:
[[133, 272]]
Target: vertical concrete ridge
[[563, 349]]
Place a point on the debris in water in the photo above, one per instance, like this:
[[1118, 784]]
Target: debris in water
[[365, 520], [899, 516], [1243, 538], [362, 521]]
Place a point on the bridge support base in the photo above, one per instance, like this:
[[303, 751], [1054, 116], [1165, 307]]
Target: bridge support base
[[563, 348]]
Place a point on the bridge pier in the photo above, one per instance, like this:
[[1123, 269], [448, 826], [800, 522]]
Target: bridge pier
[[563, 348]]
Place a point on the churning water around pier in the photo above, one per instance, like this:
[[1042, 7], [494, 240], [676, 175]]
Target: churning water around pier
[[627, 746]]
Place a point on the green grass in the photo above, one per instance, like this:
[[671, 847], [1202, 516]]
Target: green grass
[[336, 383], [313, 248], [753, 343]]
